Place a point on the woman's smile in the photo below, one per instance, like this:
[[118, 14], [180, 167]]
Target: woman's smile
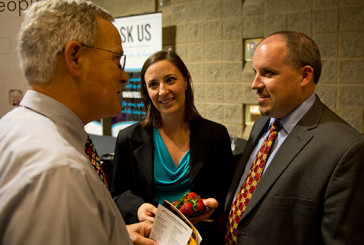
[[166, 101]]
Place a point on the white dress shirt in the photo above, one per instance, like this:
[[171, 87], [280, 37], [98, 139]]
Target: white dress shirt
[[49, 191]]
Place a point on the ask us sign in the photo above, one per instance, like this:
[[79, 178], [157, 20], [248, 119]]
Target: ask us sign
[[141, 36]]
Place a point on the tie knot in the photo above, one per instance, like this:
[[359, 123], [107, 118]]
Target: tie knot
[[275, 126], [89, 140]]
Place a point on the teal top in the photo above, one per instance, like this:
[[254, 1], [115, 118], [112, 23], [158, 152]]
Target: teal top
[[170, 182]]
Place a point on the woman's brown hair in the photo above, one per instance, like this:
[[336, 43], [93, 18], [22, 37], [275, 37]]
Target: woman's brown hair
[[153, 117]]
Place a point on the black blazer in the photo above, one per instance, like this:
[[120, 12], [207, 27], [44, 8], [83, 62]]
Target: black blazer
[[211, 166], [311, 192]]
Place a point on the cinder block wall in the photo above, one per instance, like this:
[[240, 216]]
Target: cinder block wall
[[210, 37]]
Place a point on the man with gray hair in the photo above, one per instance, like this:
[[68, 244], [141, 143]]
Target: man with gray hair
[[50, 187]]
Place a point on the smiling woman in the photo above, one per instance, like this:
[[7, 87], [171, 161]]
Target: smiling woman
[[166, 87], [172, 151], [174, 63]]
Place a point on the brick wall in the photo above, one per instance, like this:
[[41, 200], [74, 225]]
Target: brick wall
[[210, 37]]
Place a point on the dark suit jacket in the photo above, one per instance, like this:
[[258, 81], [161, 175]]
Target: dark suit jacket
[[211, 166], [311, 192]]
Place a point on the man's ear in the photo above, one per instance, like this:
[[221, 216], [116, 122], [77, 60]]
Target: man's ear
[[307, 75], [72, 52]]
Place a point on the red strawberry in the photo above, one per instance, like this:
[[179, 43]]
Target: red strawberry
[[177, 204], [190, 203], [191, 195], [187, 208], [200, 206], [183, 198]]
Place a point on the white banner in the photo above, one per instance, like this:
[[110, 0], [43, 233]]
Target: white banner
[[141, 36]]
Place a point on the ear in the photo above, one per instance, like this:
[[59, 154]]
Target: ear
[[72, 52], [307, 75]]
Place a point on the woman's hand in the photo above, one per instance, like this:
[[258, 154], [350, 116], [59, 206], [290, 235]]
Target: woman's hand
[[139, 232], [211, 204], [147, 211]]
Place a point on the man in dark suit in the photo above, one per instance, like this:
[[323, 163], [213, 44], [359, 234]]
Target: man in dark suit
[[310, 189]]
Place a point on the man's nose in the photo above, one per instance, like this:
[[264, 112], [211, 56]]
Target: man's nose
[[124, 78], [256, 82]]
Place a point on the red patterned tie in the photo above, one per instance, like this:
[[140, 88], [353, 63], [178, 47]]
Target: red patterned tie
[[94, 159], [248, 187]]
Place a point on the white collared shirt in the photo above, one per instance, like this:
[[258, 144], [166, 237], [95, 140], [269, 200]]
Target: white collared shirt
[[49, 191]]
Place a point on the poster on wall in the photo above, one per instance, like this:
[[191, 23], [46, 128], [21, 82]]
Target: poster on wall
[[12, 82], [141, 36]]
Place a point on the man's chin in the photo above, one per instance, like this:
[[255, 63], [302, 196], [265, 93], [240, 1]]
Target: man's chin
[[113, 113], [116, 113], [264, 111]]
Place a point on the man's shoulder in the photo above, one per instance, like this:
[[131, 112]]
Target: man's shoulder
[[333, 123], [37, 142], [206, 124], [135, 132]]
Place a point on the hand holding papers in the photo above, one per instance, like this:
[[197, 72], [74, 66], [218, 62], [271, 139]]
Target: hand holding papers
[[170, 226]]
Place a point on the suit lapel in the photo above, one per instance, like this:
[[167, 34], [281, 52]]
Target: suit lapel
[[198, 153], [287, 152], [199, 148], [256, 133], [142, 141], [143, 150], [299, 137]]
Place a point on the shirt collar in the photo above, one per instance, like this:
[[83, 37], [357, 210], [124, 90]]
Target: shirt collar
[[290, 121], [55, 111]]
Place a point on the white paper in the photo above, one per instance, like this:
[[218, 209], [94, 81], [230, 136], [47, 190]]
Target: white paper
[[169, 229]]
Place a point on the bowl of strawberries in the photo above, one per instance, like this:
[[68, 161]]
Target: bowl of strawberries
[[190, 205]]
